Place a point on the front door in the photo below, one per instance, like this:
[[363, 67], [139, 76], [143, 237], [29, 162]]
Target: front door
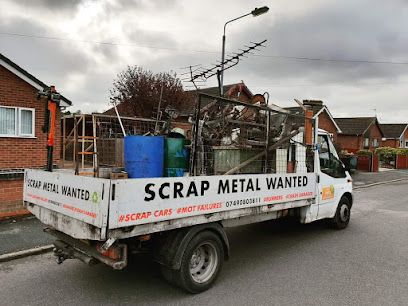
[[333, 178]]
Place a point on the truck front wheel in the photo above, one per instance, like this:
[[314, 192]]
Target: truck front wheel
[[342, 217], [200, 265]]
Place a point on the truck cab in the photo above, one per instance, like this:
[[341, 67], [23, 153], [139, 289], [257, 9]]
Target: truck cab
[[334, 182]]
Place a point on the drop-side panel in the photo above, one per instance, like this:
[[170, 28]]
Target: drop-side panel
[[82, 198], [143, 201]]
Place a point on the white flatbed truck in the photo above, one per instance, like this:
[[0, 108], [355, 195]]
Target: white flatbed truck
[[181, 219]]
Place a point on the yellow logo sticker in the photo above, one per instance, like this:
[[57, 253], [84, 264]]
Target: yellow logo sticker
[[328, 192]]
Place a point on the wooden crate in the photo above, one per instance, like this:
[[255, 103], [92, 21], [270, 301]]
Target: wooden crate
[[118, 175]]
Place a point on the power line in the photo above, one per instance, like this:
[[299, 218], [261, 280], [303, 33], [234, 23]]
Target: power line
[[298, 58], [304, 58], [329, 84], [103, 42]]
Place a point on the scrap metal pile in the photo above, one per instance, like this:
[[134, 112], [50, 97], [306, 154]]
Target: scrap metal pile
[[236, 137]]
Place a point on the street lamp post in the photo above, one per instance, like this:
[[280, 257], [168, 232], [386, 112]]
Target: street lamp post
[[256, 12]]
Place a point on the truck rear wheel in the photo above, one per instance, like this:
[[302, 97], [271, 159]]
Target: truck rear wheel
[[200, 265], [342, 217]]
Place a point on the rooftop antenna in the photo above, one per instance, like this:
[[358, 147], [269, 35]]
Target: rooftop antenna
[[202, 74]]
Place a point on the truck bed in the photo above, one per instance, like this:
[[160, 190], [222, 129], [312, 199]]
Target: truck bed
[[98, 208]]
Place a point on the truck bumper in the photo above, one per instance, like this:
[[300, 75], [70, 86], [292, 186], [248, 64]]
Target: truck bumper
[[67, 247]]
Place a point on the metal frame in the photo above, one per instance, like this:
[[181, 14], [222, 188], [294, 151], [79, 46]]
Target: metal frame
[[196, 126]]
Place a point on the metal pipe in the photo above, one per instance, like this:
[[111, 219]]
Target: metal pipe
[[120, 120], [268, 125], [223, 53], [255, 12], [158, 110], [195, 143]]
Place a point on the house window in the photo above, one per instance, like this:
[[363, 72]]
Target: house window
[[375, 142], [17, 122], [406, 143], [366, 143]]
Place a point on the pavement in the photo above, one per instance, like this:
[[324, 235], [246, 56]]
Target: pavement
[[22, 234], [26, 233], [368, 178]]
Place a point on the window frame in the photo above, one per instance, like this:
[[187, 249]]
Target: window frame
[[17, 122], [32, 110], [375, 143], [366, 146]]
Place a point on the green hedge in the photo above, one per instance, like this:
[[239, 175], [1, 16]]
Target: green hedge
[[402, 151], [389, 152], [386, 152], [365, 152]]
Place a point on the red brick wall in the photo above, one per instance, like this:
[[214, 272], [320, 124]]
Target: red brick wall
[[351, 143], [11, 195], [22, 152], [327, 124], [393, 143]]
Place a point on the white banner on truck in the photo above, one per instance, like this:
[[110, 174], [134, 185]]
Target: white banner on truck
[[141, 201], [82, 198]]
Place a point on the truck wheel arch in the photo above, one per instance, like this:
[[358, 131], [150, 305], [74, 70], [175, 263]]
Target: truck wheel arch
[[349, 196], [170, 246]]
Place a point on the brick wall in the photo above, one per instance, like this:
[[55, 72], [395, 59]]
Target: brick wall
[[393, 143], [11, 195], [351, 143], [327, 124], [21, 152]]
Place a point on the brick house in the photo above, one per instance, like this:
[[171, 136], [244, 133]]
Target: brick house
[[320, 111], [395, 135], [22, 142], [359, 133]]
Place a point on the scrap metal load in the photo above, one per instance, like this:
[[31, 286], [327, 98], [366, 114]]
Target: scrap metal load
[[232, 137]]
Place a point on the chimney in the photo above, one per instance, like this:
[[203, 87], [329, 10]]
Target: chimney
[[313, 102]]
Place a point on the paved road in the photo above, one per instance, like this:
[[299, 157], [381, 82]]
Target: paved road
[[272, 263]]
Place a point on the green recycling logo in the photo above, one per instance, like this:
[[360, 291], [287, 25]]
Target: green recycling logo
[[95, 197]]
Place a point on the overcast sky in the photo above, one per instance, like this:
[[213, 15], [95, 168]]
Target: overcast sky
[[80, 46]]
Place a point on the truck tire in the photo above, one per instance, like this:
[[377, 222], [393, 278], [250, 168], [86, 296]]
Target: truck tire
[[200, 265], [342, 217]]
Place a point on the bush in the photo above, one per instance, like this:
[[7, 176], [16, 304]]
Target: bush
[[402, 151], [386, 152], [365, 152]]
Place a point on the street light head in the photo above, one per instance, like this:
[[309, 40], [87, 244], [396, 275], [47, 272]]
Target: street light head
[[259, 11]]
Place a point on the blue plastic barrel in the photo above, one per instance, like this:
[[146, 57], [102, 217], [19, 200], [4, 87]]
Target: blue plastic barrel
[[144, 156]]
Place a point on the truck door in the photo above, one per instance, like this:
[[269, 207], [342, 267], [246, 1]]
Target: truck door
[[333, 178]]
